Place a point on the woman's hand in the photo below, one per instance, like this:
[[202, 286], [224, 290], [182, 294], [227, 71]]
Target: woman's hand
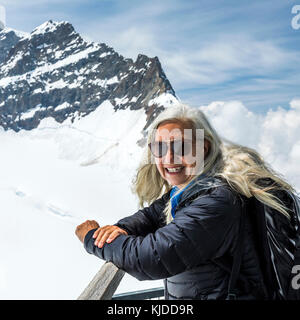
[[85, 227], [107, 234]]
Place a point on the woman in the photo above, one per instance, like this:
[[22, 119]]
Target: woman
[[191, 229]]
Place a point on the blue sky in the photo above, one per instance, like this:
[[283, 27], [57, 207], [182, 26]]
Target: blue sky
[[210, 50]]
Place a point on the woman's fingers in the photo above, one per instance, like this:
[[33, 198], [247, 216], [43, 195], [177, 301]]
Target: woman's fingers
[[107, 234], [104, 237], [113, 235], [100, 235], [95, 235]]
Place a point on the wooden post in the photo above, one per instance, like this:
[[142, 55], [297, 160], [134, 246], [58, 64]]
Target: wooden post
[[104, 284]]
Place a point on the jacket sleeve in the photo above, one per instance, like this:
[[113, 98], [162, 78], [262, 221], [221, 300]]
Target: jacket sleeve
[[146, 220], [204, 230]]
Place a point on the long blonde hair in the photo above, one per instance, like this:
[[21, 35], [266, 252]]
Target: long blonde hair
[[242, 167]]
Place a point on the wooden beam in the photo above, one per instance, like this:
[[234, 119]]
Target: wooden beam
[[104, 284]]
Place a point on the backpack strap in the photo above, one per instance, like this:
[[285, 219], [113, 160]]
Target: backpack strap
[[237, 258]]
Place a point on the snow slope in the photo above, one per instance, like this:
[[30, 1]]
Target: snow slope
[[52, 179]]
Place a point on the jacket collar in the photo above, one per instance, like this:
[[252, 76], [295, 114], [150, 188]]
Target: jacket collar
[[201, 184]]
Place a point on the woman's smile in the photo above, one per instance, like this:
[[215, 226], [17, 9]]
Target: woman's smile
[[174, 170]]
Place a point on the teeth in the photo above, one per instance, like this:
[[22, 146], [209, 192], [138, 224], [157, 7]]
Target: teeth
[[174, 169]]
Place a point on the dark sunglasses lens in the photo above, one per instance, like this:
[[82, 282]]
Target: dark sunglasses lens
[[181, 148], [158, 149]]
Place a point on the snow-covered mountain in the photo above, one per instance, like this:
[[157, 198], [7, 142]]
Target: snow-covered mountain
[[53, 72]]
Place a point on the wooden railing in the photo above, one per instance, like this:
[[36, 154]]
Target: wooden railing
[[105, 283]]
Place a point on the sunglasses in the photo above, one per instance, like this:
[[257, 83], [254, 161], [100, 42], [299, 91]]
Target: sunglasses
[[178, 147]]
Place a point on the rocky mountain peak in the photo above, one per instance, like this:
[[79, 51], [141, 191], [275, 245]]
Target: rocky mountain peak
[[53, 72]]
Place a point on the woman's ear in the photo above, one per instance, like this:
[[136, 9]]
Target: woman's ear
[[206, 147]]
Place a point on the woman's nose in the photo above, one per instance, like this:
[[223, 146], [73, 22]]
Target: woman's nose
[[169, 157]]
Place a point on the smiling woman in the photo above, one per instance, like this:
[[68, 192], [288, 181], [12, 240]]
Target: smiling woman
[[196, 227], [177, 157]]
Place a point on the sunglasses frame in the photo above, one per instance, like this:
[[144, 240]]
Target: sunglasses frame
[[170, 144]]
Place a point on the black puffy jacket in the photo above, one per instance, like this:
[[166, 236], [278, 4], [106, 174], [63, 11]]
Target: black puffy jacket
[[183, 252]]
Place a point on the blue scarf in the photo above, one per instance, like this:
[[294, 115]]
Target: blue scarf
[[175, 200]]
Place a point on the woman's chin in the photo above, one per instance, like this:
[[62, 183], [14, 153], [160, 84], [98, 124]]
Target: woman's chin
[[179, 179]]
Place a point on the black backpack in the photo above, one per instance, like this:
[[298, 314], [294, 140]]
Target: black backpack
[[277, 242]]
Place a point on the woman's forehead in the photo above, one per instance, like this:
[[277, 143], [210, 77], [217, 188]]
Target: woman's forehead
[[173, 130]]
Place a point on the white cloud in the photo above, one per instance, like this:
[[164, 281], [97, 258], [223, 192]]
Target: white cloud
[[275, 135], [234, 121]]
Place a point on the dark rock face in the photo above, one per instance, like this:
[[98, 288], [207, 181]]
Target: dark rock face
[[54, 72], [8, 39]]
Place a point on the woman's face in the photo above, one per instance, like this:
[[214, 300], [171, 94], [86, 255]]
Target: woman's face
[[174, 167]]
